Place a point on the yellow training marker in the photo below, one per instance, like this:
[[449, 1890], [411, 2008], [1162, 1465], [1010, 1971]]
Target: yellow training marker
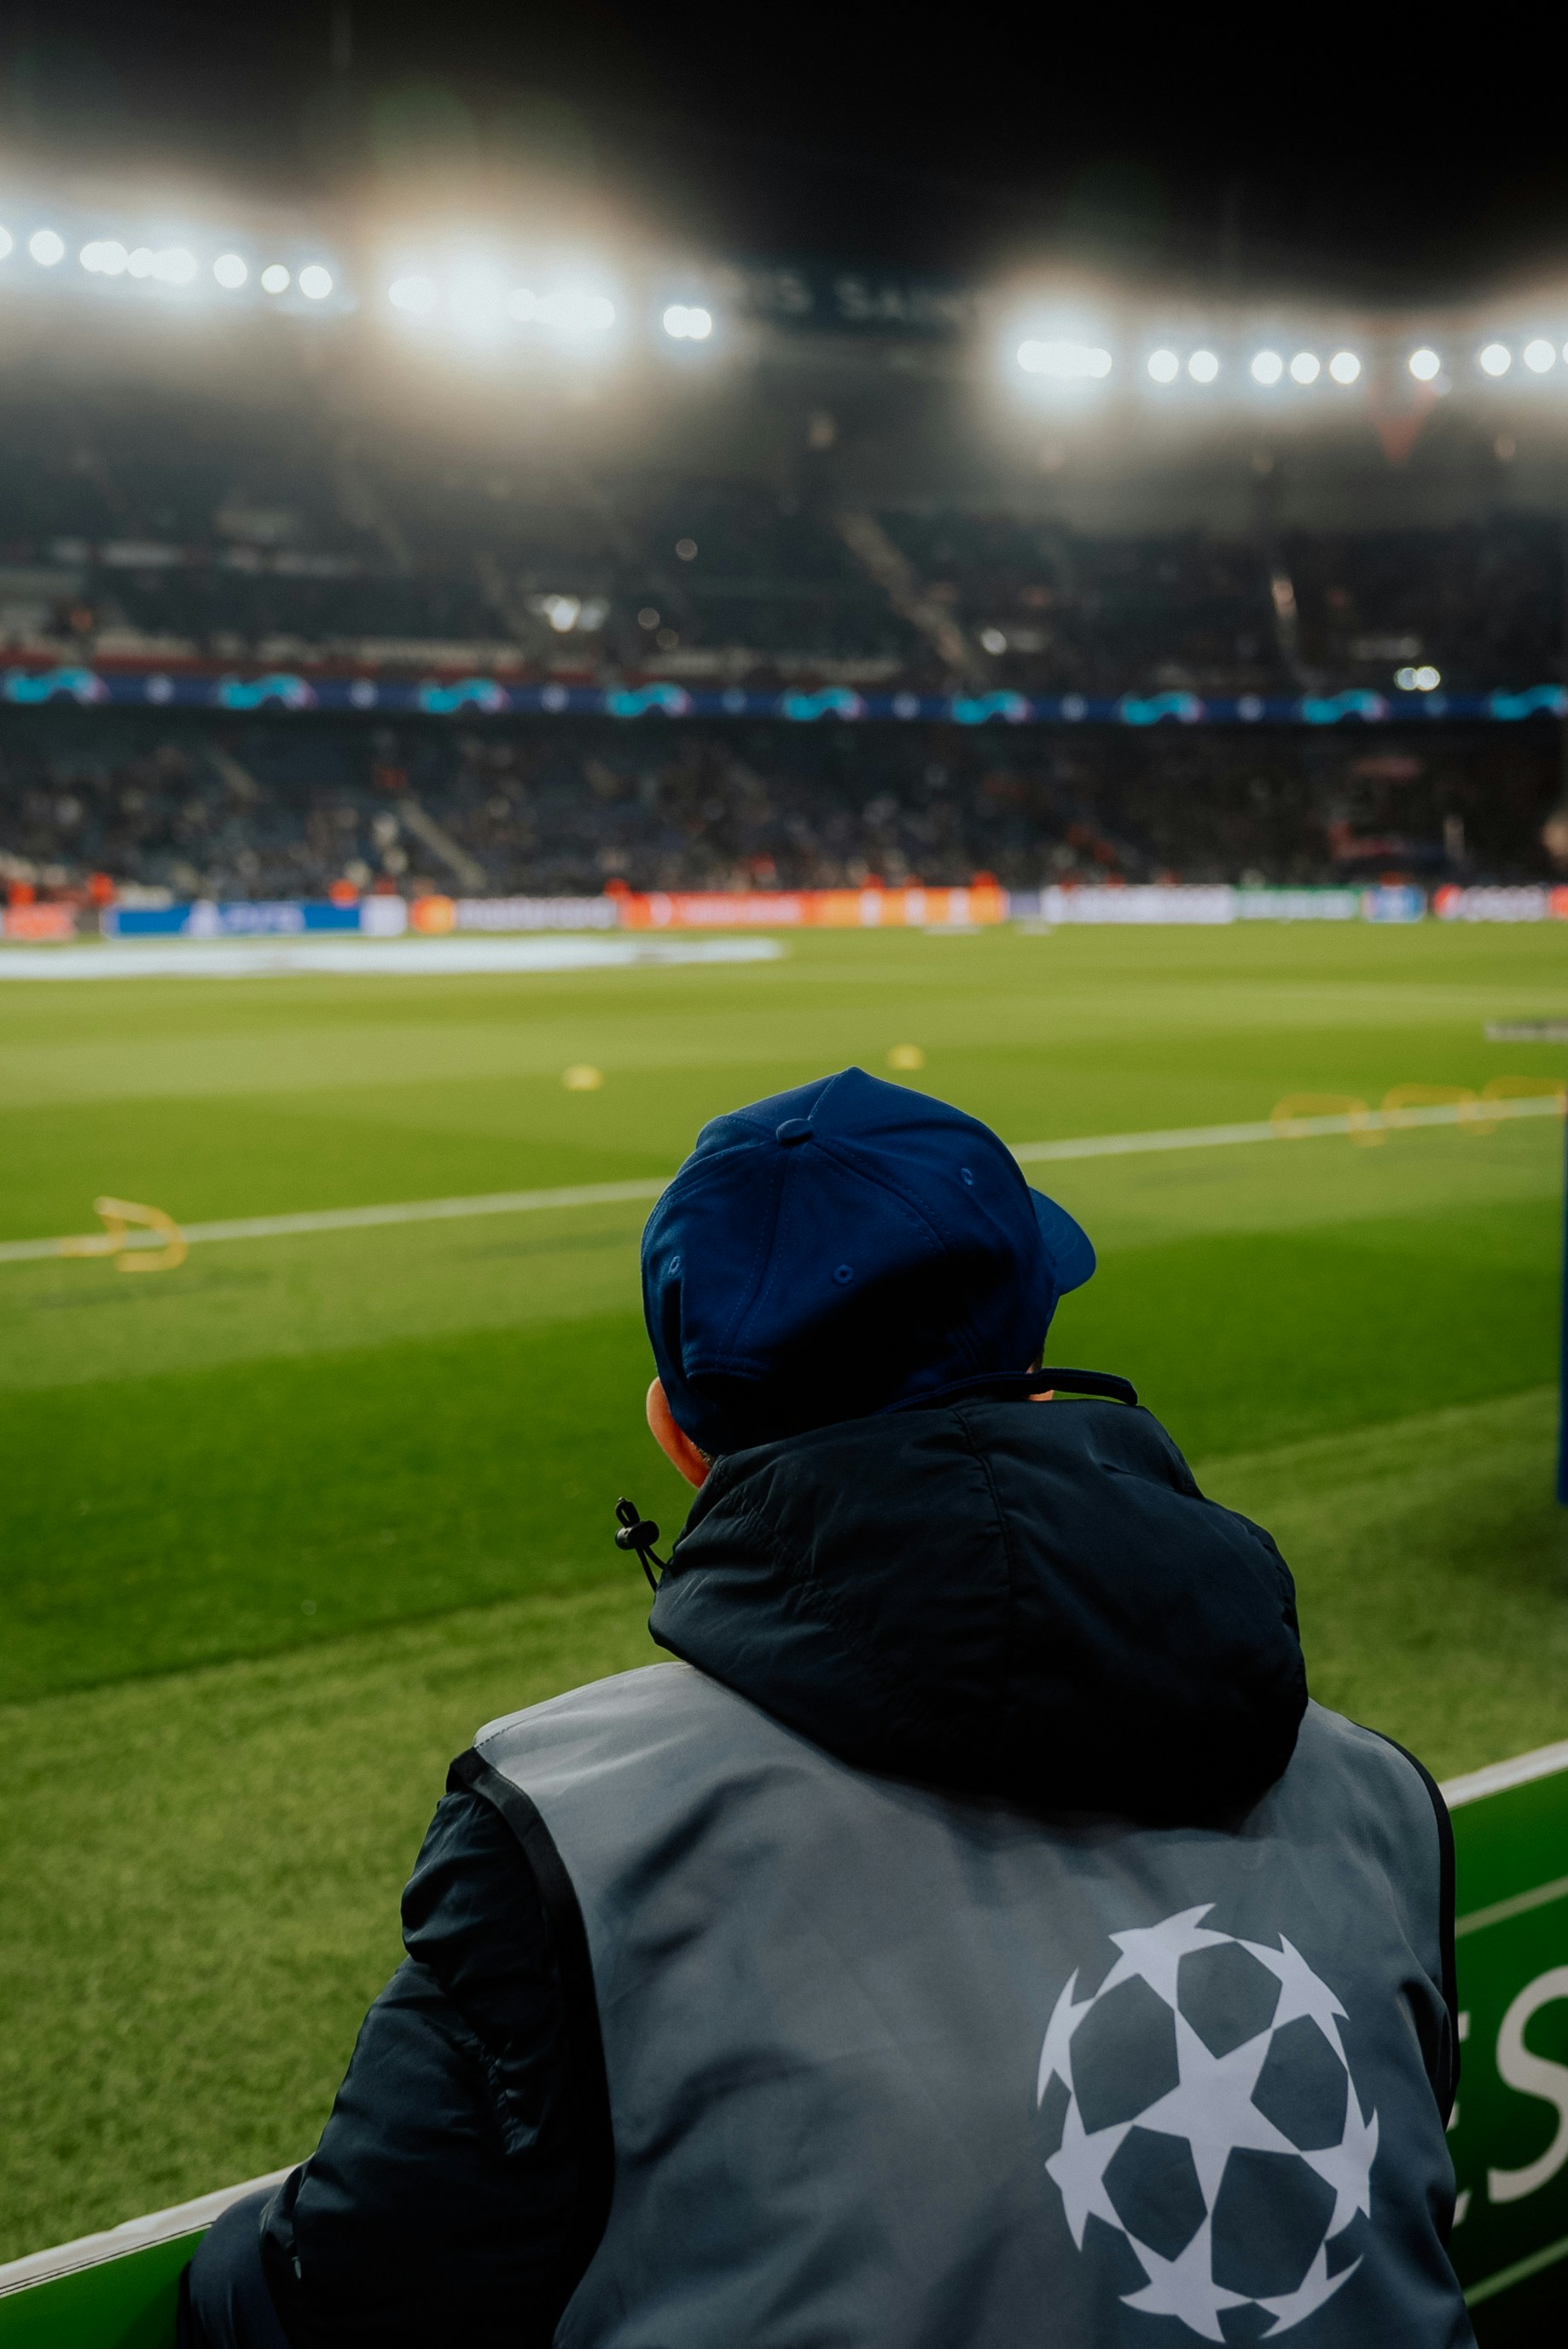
[[117, 1214], [906, 1056], [1347, 1106], [583, 1077]]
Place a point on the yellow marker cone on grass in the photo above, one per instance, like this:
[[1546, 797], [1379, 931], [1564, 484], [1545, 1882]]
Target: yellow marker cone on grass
[[117, 1214]]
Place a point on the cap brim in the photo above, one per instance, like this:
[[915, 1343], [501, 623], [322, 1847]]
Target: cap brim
[[1069, 1247]]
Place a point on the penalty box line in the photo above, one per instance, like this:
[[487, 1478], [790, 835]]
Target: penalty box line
[[605, 1194]]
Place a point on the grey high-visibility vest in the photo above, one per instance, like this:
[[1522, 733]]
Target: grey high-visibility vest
[[893, 2069]]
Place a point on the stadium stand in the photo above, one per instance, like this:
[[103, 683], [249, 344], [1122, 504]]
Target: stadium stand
[[147, 528]]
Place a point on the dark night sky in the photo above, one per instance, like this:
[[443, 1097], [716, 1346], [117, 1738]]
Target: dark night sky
[[1259, 151]]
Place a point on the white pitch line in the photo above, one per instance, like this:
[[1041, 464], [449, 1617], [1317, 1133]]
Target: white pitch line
[[606, 1195], [356, 1219], [1294, 1128]]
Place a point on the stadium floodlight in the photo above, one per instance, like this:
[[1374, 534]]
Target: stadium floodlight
[[993, 640], [1345, 366], [275, 278], [477, 300], [104, 257], [8, 243], [314, 281], [1425, 679], [1267, 367], [230, 271], [686, 322], [575, 310], [1494, 359], [1065, 362], [415, 295], [174, 266], [1164, 366], [47, 246], [1202, 366], [1305, 368], [1539, 356], [1423, 364]]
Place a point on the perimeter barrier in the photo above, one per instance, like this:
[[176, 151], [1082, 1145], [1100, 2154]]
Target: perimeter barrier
[[980, 904]]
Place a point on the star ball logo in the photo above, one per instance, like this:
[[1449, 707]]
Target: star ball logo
[[1232, 2184]]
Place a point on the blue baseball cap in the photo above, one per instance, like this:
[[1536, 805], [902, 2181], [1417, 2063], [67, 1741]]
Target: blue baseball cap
[[847, 1248]]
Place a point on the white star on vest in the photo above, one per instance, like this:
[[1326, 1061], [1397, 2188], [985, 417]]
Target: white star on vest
[[1347, 2165], [1301, 1992], [1154, 1953], [1056, 2055], [1184, 2286], [1316, 2286], [1078, 2166], [1211, 2105]]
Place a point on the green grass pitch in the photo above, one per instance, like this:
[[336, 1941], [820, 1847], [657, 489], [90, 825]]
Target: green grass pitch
[[283, 1527]]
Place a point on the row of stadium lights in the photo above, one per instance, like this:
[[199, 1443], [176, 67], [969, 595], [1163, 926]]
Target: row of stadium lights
[[576, 312], [172, 264], [478, 302], [1086, 362], [571, 311]]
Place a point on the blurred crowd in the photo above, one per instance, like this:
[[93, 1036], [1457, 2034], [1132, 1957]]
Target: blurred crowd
[[292, 806]]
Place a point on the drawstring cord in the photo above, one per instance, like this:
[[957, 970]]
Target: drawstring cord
[[639, 1533]]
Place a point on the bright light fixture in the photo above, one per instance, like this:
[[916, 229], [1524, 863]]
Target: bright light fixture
[[477, 300], [175, 267], [686, 323], [314, 281], [230, 271], [1345, 366], [275, 278], [1305, 368], [416, 295], [1267, 367], [1539, 356], [1425, 679], [47, 246], [1495, 359], [1202, 366], [1164, 366], [993, 640], [1423, 364], [104, 257], [1065, 362], [573, 311]]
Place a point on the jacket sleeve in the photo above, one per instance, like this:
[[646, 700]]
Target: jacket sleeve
[[458, 2189]]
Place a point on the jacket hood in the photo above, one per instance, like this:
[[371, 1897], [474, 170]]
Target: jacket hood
[[1001, 1599]]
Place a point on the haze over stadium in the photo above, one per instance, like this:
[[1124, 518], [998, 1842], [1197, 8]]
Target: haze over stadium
[[560, 575]]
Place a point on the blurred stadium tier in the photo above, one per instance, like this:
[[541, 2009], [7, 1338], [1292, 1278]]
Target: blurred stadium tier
[[350, 499]]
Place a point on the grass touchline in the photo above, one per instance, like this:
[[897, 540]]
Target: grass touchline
[[1358, 1122]]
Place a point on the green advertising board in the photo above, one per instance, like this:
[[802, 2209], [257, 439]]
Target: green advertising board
[[1509, 2134]]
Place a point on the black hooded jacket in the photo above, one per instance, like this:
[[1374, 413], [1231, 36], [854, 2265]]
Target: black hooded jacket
[[1033, 1602]]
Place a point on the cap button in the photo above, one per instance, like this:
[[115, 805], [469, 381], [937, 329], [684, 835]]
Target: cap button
[[794, 1129]]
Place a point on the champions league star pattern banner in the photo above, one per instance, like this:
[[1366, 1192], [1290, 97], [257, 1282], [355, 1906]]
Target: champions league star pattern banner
[[283, 692]]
